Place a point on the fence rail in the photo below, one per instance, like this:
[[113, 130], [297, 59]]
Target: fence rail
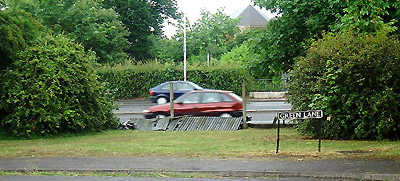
[[269, 85]]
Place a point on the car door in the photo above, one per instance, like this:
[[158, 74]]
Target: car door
[[188, 104], [177, 91], [210, 103], [164, 90], [226, 105]]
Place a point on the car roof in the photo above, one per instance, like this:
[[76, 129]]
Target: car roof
[[211, 90], [178, 81], [175, 81]]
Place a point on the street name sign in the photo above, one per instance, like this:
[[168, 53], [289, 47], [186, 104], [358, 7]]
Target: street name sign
[[300, 115]]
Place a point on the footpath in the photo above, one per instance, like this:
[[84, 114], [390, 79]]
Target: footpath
[[322, 169]]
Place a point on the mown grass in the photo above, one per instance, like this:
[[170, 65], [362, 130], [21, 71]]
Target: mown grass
[[248, 143]]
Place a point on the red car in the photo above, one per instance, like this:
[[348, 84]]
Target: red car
[[201, 103]]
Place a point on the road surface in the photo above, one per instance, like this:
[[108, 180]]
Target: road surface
[[261, 112], [93, 178]]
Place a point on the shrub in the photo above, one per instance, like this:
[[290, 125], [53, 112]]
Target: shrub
[[240, 55], [135, 80], [52, 88], [17, 29], [355, 79]]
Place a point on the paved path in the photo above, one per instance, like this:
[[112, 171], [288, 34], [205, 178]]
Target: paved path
[[328, 169]]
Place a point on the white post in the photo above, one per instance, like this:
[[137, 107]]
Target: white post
[[171, 99], [184, 49]]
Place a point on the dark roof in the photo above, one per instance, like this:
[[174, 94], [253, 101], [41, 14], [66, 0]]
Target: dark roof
[[251, 17]]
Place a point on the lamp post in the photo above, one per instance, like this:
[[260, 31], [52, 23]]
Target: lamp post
[[184, 49]]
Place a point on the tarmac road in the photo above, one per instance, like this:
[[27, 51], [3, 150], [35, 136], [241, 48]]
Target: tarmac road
[[92, 178], [262, 112], [240, 169]]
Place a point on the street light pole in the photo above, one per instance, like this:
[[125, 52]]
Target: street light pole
[[184, 49]]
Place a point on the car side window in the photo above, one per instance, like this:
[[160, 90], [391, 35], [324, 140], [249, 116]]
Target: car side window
[[166, 87], [179, 86], [185, 86], [210, 97], [191, 98], [225, 98]]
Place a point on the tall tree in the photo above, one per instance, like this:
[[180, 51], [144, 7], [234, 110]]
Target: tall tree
[[213, 33], [97, 28], [143, 18], [301, 21], [288, 35], [371, 16], [216, 32]]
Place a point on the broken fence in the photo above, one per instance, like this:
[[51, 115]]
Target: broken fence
[[186, 123]]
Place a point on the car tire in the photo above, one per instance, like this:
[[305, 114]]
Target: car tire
[[161, 100], [225, 115]]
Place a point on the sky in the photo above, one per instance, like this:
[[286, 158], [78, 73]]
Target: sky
[[192, 9]]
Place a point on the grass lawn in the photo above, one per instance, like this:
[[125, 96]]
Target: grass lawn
[[248, 143]]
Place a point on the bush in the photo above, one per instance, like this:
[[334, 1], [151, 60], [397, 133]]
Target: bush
[[17, 29], [355, 79], [240, 55], [52, 88], [135, 80]]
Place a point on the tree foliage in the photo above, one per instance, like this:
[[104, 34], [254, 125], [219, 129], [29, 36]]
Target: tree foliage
[[287, 36], [355, 79], [166, 50], [239, 55], [370, 16], [2, 4], [213, 33], [97, 28], [301, 21], [52, 88], [143, 18], [17, 29]]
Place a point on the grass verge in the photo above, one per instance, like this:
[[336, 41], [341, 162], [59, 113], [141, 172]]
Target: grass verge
[[248, 143]]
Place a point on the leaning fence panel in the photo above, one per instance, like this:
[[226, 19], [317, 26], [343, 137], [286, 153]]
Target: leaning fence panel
[[189, 124]]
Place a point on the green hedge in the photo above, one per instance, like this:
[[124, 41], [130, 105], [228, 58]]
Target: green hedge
[[355, 79], [135, 81]]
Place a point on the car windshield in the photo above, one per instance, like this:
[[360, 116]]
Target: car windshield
[[195, 86]]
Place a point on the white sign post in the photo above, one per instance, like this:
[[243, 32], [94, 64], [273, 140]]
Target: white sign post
[[312, 114]]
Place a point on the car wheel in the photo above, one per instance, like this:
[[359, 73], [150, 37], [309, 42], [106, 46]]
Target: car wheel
[[161, 100], [225, 115]]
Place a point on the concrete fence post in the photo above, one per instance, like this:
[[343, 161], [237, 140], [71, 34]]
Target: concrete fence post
[[171, 98], [244, 97]]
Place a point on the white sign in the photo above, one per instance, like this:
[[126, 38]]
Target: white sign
[[300, 115]]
